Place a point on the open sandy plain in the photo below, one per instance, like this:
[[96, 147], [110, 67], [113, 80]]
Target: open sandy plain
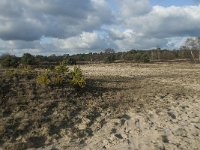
[[164, 111], [125, 107]]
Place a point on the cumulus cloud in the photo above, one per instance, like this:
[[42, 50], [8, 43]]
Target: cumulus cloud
[[85, 41], [172, 21], [131, 8], [161, 26], [29, 20], [75, 26]]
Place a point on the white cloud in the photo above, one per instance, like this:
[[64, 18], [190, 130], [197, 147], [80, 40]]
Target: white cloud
[[87, 40], [74, 26], [162, 26], [29, 20], [131, 8]]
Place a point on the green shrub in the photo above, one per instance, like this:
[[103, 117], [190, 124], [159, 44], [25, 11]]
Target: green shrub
[[62, 68], [77, 80], [8, 60], [43, 79], [58, 80]]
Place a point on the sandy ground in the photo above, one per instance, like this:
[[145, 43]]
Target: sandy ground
[[149, 107], [174, 126]]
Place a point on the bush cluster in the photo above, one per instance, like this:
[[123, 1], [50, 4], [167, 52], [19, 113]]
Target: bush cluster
[[61, 75], [9, 61]]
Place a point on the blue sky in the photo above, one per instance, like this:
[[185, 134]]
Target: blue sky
[[172, 2], [74, 26]]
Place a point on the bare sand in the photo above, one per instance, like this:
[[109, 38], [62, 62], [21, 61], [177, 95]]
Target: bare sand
[[170, 117]]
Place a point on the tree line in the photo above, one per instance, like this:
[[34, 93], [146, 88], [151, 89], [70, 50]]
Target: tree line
[[189, 51]]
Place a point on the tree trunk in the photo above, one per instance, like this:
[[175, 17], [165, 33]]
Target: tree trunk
[[152, 55], [192, 56], [199, 55]]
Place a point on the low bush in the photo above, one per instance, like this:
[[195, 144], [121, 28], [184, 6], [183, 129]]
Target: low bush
[[61, 75], [58, 80], [62, 68], [77, 79], [43, 79]]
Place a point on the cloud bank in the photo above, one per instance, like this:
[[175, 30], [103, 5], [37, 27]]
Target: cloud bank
[[74, 26]]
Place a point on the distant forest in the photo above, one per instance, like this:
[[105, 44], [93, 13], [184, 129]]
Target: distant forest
[[189, 51], [107, 56]]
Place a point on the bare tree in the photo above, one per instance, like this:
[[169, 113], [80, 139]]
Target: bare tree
[[109, 50], [193, 44]]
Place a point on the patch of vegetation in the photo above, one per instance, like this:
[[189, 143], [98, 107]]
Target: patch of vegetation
[[10, 73], [77, 80], [109, 59], [43, 79], [60, 75], [142, 57], [71, 61], [8, 61], [28, 59], [58, 80], [62, 68]]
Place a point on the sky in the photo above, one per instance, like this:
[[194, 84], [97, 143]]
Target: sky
[[46, 27], [173, 2]]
